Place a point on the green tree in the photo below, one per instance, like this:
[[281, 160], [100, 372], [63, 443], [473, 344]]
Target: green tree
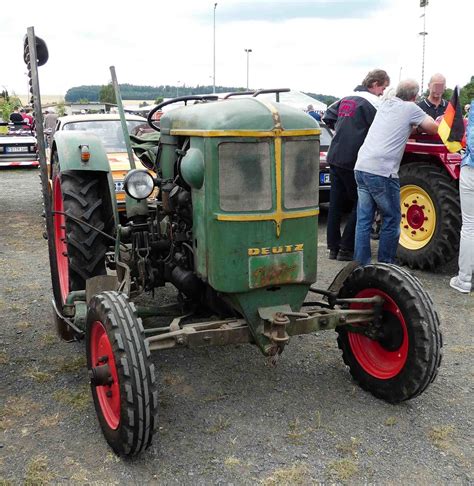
[[61, 108], [7, 105], [447, 94], [467, 93], [107, 94]]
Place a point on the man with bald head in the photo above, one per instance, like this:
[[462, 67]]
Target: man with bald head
[[435, 105], [376, 170]]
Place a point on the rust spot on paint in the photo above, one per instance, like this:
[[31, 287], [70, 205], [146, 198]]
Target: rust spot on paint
[[275, 274]]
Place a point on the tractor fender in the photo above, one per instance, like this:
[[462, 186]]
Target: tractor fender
[[68, 147]]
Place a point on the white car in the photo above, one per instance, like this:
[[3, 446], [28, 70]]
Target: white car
[[17, 146]]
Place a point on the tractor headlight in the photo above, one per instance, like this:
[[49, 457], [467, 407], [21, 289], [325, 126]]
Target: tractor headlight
[[139, 184]]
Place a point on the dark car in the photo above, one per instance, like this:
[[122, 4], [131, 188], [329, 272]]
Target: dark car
[[324, 175], [17, 146]]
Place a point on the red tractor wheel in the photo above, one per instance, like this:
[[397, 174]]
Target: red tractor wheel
[[404, 360], [122, 377]]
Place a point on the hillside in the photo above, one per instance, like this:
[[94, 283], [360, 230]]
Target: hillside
[[151, 93]]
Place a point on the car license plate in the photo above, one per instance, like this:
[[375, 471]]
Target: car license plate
[[325, 178], [118, 186], [16, 149]]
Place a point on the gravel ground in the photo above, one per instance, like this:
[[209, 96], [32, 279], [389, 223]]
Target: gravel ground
[[225, 418]]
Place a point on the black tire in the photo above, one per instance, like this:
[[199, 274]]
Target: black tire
[[432, 248], [79, 195], [402, 365], [126, 409]]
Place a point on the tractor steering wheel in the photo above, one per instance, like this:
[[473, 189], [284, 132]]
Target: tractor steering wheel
[[176, 100]]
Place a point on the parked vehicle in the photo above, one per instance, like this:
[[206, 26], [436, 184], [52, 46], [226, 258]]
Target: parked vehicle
[[108, 128], [431, 211], [429, 198], [324, 174], [233, 228], [17, 146]]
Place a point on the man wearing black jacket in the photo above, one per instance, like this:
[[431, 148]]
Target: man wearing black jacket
[[351, 118]]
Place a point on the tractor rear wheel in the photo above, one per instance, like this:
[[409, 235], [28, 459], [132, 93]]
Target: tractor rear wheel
[[431, 216], [77, 250], [122, 377], [405, 359]]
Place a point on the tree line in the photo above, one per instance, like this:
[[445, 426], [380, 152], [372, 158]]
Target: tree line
[[105, 93]]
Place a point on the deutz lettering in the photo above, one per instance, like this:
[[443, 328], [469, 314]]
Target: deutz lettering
[[275, 250]]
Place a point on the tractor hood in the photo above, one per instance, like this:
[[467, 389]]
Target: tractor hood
[[248, 114]]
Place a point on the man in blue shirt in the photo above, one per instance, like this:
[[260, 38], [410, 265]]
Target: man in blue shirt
[[314, 114]]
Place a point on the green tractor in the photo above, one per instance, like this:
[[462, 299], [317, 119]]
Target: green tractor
[[234, 227]]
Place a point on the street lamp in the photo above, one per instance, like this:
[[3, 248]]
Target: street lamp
[[423, 4], [214, 58], [177, 88], [248, 51]]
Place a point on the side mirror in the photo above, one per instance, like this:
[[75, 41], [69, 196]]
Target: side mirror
[[41, 50]]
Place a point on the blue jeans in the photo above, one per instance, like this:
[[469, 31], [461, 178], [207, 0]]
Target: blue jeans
[[383, 193]]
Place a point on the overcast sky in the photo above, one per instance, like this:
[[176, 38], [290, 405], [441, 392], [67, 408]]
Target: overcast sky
[[321, 46]]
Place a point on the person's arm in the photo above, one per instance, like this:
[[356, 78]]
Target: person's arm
[[330, 117], [429, 126]]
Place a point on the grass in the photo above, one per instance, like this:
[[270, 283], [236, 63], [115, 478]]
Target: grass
[[47, 340], [49, 421], [343, 469], [349, 448], [37, 473], [69, 365], [23, 325], [14, 408], [296, 474], [296, 433], [40, 376], [441, 436], [467, 348], [222, 423], [231, 462], [78, 400], [390, 421], [173, 379]]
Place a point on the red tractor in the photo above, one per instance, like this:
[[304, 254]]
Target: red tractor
[[429, 197]]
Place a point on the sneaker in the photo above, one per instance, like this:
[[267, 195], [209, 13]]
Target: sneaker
[[333, 254], [456, 283], [345, 255]]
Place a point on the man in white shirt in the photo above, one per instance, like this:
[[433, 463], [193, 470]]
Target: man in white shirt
[[376, 170]]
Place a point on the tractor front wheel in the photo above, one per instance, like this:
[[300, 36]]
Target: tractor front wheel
[[122, 377], [76, 250], [404, 360]]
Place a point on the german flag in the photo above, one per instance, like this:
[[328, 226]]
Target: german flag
[[451, 129]]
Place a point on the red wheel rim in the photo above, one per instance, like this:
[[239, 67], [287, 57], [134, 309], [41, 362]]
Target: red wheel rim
[[370, 354], [60, 245], [108, 395], [415, 216]]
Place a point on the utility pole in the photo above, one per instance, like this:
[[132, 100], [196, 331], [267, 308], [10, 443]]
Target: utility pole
[[248, 51], [214, 58], [423, 4]]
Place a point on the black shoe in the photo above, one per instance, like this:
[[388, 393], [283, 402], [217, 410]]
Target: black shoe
[[333, 254], [345, 255]]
